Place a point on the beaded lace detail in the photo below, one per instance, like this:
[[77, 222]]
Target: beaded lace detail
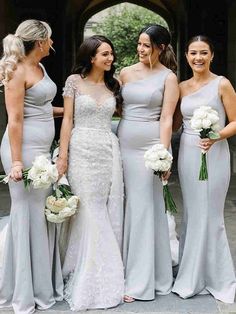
[[93, 268]]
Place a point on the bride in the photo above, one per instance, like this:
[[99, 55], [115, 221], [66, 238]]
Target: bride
[[89, 152]]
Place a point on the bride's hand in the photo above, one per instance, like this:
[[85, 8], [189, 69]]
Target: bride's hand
[[62, 165]]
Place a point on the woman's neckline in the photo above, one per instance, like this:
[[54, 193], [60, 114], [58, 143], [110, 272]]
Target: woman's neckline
[[86, 80], [44, 75], [203, 86], [147, 77]]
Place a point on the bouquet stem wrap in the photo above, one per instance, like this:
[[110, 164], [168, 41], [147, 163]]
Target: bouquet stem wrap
[[168, 199], [203, 173]]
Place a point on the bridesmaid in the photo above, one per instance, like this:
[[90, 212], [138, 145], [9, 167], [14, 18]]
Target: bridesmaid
[[150, 92], [26, 277], [205, 261]]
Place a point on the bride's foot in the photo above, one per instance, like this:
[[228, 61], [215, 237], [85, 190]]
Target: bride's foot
[[128, 299]]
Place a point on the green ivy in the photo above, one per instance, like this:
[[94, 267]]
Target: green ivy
[[123, 28]]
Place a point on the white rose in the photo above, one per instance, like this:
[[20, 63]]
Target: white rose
[[199, 114], [196, 124], [162, 154], [58, 205], [33, 173], [55, 218], [41, 162], [213, 118], [50, 201], [152, 156], [66, 212], [206, 123], [165, 165], [73, 201], [52, 173], [40, 184], [157, 166]]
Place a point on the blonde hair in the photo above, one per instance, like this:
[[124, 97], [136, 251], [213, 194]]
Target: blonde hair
[[17, 46]]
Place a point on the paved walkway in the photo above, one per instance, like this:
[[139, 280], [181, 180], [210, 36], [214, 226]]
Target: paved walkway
[[170, 304]]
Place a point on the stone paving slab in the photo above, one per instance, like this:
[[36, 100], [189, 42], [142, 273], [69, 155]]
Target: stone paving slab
[[170, 304]]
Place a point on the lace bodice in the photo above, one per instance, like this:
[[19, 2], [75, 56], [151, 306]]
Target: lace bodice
[[94, 104]]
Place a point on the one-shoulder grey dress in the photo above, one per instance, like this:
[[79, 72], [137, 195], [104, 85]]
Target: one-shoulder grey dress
[[205, 261], [146, 250], [26, 271]]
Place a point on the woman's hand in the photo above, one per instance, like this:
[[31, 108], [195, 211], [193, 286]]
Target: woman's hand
[[16, 171], [206, 143], [166, 175], [62, 165]]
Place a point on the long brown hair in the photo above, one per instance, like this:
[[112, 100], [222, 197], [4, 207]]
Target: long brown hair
[[159, 37], [86, 52]]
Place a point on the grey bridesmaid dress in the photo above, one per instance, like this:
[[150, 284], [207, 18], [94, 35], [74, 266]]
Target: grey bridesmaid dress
[[146, 248], [26, 273], [205, 261]]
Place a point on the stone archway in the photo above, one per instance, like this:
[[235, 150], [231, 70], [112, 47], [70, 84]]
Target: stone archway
[[82, 15]]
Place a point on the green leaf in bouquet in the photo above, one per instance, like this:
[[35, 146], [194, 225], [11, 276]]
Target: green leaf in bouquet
[[203, 173], [214, 135], [204, 133], [58, 193], [27, 183], [169, 201], [66, 190], [2, 177]]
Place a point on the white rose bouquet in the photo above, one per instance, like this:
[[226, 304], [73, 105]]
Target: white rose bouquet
[[205, 121], [41, 175], [159, 160], [62, 203]]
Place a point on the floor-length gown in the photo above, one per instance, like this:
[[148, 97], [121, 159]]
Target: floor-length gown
[[146, 251], [206, 265], [93, 267], [174, 242], [26, 268]]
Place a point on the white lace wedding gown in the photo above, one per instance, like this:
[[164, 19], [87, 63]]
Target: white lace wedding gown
[[93, 268]]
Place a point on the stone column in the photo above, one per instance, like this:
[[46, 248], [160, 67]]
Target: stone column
[[7, 25]]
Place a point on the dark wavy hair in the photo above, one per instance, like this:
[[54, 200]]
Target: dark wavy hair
[[203, 38], [159, 35], [86, 52]]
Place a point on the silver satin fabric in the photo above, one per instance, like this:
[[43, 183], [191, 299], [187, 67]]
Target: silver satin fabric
[[146, 248], [205, 261], [26, 277]]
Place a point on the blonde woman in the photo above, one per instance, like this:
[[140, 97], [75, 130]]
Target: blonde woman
[[26, 275]]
